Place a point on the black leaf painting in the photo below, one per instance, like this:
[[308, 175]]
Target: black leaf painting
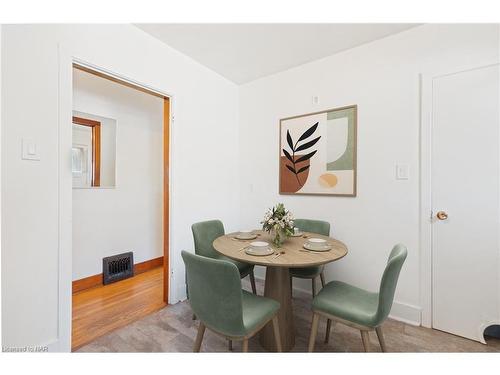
[[296, 148]]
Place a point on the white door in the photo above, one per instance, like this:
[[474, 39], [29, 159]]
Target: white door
[[465, 187]]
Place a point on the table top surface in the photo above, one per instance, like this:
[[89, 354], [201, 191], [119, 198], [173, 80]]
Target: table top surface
[[292, 252]]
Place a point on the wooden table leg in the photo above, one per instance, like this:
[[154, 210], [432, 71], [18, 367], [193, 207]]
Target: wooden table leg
[[277, 287]]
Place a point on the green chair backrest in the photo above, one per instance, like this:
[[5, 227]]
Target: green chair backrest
[[204, 234], [314, 226], [390, 281], [215, 293]]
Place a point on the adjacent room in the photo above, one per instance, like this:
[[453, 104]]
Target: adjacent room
[[117, 156], [300, 187]]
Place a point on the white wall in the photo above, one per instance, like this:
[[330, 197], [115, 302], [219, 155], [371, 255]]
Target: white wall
[[382, 78], [203, 173], [128, 217]]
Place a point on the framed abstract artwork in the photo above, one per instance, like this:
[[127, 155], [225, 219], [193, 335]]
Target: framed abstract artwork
[[318, 153]]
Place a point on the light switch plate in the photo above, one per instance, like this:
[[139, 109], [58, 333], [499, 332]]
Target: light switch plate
[[30, 149], [402, 172]]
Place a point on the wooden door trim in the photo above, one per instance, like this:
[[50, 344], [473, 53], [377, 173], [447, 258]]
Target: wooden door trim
[[96, 146], [122, 81]]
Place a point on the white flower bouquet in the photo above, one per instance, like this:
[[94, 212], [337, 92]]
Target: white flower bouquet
[[279, 221]]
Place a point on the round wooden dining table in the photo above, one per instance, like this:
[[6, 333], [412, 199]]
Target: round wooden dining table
[[277, 285]]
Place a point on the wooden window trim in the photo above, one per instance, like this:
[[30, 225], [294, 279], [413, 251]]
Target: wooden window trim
[[96, 147]]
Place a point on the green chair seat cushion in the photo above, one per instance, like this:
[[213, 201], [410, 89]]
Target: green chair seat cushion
[[348, 302], [360, 306], [306, 272], [257, 309]]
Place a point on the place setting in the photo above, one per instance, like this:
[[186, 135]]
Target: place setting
[[259, 248], [245, 235], [255, 248], [278, 222], [317, 245]]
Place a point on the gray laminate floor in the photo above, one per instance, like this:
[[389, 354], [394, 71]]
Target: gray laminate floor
[[173, 330]]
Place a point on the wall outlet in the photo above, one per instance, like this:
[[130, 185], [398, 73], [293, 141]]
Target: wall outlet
[[315, 100]]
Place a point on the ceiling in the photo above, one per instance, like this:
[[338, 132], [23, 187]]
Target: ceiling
[[245, 52]]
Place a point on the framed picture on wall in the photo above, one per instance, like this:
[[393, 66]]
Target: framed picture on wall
[[318, 153]]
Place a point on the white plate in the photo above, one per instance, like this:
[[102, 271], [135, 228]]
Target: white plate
[[298, 234], [259, 252], [318, 248], [246, 236], [317, 241]]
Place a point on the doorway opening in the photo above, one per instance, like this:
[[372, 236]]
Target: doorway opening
[[120, 169]]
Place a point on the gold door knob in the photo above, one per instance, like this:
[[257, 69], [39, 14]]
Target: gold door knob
[[441, 215]]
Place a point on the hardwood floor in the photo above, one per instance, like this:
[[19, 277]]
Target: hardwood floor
[[100, 310]]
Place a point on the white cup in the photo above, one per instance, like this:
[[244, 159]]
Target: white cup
[[316, 242], [296, 230], [259, 246]]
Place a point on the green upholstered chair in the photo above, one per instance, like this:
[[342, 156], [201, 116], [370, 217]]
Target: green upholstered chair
[[313, 226], [204, 234], [357, 307], [221, 305]]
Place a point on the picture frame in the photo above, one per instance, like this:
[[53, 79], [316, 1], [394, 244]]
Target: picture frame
[[318, 153]]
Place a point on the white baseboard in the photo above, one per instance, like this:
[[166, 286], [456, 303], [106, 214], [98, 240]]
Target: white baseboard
[[406, 313]]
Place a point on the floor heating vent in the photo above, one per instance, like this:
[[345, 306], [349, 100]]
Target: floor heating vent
[[117, 267]]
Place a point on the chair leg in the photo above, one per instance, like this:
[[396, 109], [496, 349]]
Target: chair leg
[[313, 286], [314, 331], [328, 329], [381, 340], [322, 277], [245, 346], [252, 281], [277, 336], [366, 340], [230, 345], [291, 287], [199, 337]]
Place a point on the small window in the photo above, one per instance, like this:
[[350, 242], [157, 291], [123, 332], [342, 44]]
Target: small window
[[77, 160]]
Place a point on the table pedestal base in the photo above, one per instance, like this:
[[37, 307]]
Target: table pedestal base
[[277, 287]]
